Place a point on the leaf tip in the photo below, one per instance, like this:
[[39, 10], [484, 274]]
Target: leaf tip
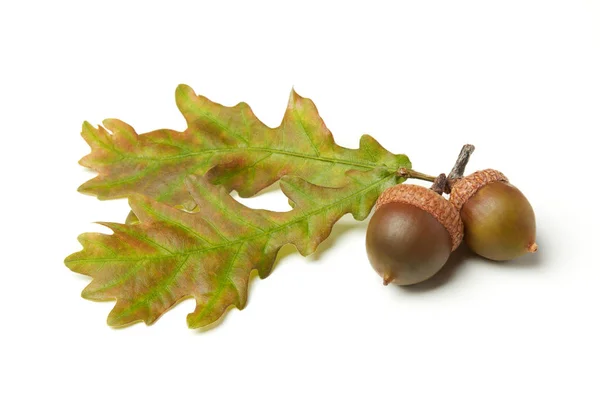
[[88, 293], [182, 87], [67, 261], [86, 126], [83, 188], [183, 92], [294, 98], [118, 318], [112, 320], [84, 162], [87, 133], [191, 322], [205, 323], [91, 188], [369, 142]]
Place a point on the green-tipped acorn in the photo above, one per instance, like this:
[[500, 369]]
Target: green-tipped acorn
[[411, 234], [499, 220]]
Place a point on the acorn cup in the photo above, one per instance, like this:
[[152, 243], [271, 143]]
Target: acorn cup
[[498, 219], [411, 234]]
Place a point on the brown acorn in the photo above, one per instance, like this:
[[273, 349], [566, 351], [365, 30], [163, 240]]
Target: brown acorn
[[499, 221], [411, 234]]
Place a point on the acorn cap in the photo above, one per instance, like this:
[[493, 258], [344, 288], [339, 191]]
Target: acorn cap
[[464, 188], [429, 201]]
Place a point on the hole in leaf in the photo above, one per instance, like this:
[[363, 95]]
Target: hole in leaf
[[270, 198]]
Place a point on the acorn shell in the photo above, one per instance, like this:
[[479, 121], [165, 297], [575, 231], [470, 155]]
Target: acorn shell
[[431, 202], [499, 220], [466, 187]]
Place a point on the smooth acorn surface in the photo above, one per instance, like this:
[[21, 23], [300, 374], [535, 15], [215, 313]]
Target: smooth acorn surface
[[499, 222], [405, 244]]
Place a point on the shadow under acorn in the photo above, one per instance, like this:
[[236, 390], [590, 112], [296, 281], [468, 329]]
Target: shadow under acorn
[[528, 262]]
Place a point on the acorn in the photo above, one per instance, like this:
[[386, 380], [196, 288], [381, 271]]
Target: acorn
[[499, 220], [411, 234]]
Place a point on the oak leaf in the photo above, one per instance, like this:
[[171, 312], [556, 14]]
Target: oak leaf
[[163, 254], [229, 145]]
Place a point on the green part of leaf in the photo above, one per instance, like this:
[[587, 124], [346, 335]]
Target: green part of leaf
[[229, 144], [168, 254]]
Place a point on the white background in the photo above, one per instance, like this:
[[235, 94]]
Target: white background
[[519, 79]]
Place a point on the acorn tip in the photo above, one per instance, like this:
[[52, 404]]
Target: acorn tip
[[387, 279], [533, 247]]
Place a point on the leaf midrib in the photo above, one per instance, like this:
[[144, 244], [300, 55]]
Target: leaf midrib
[[283, 152], [140, 174]]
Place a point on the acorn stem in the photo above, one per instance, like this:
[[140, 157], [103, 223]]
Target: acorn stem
[[409, 173], [440, 183], [458, 170]]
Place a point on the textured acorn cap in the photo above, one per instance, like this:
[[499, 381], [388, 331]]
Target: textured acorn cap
[[466, 187], [429, 201]]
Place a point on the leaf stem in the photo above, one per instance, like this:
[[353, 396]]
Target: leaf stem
[[441, 181], [409, 173]]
